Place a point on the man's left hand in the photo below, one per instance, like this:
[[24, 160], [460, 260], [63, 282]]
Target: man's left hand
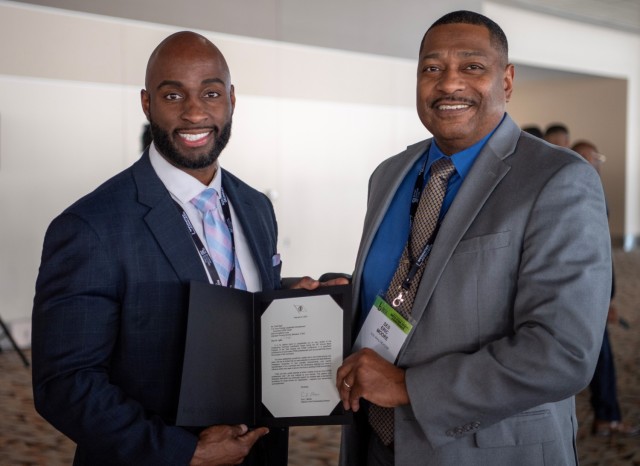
[[368, 375]]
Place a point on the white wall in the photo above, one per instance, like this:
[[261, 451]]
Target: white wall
[[310, 125], [550, 42], [594, 109], [381, 27]]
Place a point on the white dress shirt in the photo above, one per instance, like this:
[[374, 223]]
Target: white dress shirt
[[184, 187]]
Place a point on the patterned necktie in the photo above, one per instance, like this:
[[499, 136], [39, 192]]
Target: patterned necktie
[[218, 237], [424, 224]]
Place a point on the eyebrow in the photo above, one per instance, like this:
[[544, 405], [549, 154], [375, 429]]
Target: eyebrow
[[169, 82], [213, 80]]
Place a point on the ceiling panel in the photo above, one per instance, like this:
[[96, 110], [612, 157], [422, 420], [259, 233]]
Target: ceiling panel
[[617, 14]]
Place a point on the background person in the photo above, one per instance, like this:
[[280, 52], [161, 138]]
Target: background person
[[534, 131], [557, 134], [607, 418]]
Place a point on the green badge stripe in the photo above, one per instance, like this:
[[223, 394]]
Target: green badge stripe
[[393, 315]]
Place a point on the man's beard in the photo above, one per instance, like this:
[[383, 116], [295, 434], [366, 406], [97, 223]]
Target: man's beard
[[170, 152]]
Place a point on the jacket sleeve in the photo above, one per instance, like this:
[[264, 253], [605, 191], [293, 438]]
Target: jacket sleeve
[[554, 318], [76, 320]]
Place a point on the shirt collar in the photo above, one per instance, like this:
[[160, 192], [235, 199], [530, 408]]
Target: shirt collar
[[180, 184], [462, 160]]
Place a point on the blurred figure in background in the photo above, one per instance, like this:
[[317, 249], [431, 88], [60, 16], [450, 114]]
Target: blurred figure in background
[[533, 130], [557, 134], [607, 419]]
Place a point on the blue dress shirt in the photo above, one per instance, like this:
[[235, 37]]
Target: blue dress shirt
[[391, 237]]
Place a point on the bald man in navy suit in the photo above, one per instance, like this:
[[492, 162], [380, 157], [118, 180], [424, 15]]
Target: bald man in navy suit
[[110, 308]]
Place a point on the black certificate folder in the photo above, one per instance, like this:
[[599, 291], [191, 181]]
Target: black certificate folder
[[264, 359]]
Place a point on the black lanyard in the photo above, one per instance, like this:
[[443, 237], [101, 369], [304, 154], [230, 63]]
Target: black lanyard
[[416, 263], [417, 192], [202, 250]]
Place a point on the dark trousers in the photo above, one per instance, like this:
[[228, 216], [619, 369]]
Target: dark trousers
[[604, 394]]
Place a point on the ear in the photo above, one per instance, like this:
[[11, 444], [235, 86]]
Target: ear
[[232, 95], [145, 101], [509, 73]]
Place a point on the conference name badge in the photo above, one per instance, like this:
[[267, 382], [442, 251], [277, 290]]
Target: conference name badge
[[384, 331]]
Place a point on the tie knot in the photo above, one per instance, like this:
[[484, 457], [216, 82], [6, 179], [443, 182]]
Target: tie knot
[[443, 168], [206, 201]]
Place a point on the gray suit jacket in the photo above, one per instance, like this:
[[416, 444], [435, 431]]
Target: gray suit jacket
[[509, 313], [110, 313]]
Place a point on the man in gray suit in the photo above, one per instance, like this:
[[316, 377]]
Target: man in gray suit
[[506, 320]]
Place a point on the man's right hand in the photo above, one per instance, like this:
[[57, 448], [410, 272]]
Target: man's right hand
[[225, 445]]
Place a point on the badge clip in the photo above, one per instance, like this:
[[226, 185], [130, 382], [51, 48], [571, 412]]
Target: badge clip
[[398, 300]]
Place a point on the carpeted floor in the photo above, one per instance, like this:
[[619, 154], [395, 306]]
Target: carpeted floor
[[26, 439]]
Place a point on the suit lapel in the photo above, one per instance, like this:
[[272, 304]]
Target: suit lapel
[[252, 227], [379, 200], [487, 171], [165, 223]]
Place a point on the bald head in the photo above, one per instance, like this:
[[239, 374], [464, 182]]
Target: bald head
[[184, 46], [590, 153], [189, 102], [582, 146]]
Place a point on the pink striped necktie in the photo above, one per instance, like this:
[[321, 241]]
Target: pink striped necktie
[[218, 237]]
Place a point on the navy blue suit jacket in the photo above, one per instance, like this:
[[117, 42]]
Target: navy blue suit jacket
[[109, 318]]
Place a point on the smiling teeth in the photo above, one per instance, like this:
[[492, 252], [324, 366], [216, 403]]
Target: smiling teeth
[[452, 107], [193, 137]]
